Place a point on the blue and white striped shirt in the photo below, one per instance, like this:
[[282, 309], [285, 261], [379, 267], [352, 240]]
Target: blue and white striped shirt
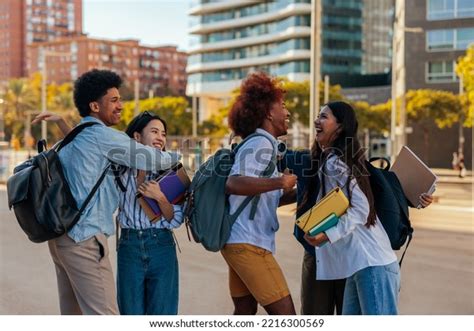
[[131, 214]]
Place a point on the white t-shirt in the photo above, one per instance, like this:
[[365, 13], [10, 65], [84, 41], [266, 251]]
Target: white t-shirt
[[352, 246], [251, 160]]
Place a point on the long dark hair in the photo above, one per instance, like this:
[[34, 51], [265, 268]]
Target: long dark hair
[[347, 148]]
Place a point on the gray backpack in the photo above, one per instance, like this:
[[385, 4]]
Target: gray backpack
[[207, 207]]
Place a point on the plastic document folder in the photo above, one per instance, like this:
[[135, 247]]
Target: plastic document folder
[[174, 184], [335, 202], [414, 176]]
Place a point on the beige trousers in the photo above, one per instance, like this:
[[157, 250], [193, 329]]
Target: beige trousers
[[84, 274]]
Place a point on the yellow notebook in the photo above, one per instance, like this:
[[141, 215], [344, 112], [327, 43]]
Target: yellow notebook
[[334, 202]]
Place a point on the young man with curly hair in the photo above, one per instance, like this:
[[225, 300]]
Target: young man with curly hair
[[84, 273], [254, 275]]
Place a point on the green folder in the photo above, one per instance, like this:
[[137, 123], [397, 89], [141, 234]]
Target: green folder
[[327, 223]]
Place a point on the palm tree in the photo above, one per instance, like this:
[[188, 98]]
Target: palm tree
[[19, 97]]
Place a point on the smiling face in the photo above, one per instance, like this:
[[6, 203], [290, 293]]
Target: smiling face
[[153, 134], [327, 127], [280, 118], [108, 108]]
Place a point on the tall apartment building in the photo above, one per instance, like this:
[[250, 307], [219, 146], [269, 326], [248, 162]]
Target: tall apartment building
[[11, 39], [23, 22], [232, 38], [448, 29], [430, 61], [158, 69]]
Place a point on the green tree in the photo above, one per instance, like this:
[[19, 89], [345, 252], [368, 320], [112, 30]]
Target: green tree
[[465, 69], [296, 101], [425, 106], [216, 125], [297, 98], [20, 96], [172, 109], [375, 118], [60, 100]]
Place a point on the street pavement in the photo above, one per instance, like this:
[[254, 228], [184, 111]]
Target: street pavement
[[437, 273]]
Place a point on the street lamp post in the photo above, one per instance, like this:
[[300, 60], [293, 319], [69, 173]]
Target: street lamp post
[[2, 121], [461, 120], [316, 14], [44, 54], [398, 132]]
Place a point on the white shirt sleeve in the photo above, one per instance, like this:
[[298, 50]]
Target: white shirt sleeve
[[252, 158], [176, 221], [336, 175]]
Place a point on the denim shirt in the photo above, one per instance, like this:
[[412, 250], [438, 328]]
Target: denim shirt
[[85, 159]]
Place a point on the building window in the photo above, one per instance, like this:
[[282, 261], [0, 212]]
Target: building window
[[454, 39], [440, 71], [464, 37], [446, 9]]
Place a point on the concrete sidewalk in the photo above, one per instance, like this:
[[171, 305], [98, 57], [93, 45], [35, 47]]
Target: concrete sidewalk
[[452, 176]]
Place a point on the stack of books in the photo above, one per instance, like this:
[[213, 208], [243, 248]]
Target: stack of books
[[325, 214], [174, 184]]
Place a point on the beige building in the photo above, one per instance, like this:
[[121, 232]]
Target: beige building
[[23, 22], [158, 69]]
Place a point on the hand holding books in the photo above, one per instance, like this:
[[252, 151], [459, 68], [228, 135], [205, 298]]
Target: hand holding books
[[172, 186], [323, 216], [152, 190], [335, 202]]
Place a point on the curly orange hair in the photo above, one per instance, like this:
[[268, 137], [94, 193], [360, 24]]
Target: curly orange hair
[[258, 93]]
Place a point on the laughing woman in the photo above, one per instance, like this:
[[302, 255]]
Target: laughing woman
[[357, 248]]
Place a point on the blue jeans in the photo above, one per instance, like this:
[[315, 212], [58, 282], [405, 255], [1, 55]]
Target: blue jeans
[[147, 276], [373, 291]]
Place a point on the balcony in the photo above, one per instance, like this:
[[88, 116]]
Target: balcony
[[289, 33], [213, 7], [289, 10], [291, 55]]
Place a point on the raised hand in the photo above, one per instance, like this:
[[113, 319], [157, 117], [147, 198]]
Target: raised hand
[[48, 117], [55, 118]]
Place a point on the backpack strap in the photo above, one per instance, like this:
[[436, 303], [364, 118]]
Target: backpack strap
[[410, 236], [91, 194], [118, 171], [387, 167], [71, 135], [265, 173]]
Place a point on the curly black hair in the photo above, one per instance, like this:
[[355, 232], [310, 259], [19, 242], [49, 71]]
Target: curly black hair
[[92, 86]]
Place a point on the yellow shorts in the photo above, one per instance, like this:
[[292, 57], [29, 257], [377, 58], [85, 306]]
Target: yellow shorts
[[254, 270]]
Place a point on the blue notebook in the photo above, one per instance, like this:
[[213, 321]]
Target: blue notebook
[[327, 223]]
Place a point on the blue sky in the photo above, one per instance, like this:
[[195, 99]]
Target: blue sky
[[154, 22]]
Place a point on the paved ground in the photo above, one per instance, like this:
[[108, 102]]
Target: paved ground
[[437, 273]]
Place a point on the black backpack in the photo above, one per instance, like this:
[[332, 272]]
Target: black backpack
[[40, 195], [391, 205]]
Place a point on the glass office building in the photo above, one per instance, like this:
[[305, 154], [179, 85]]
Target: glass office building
[[229, 39]]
